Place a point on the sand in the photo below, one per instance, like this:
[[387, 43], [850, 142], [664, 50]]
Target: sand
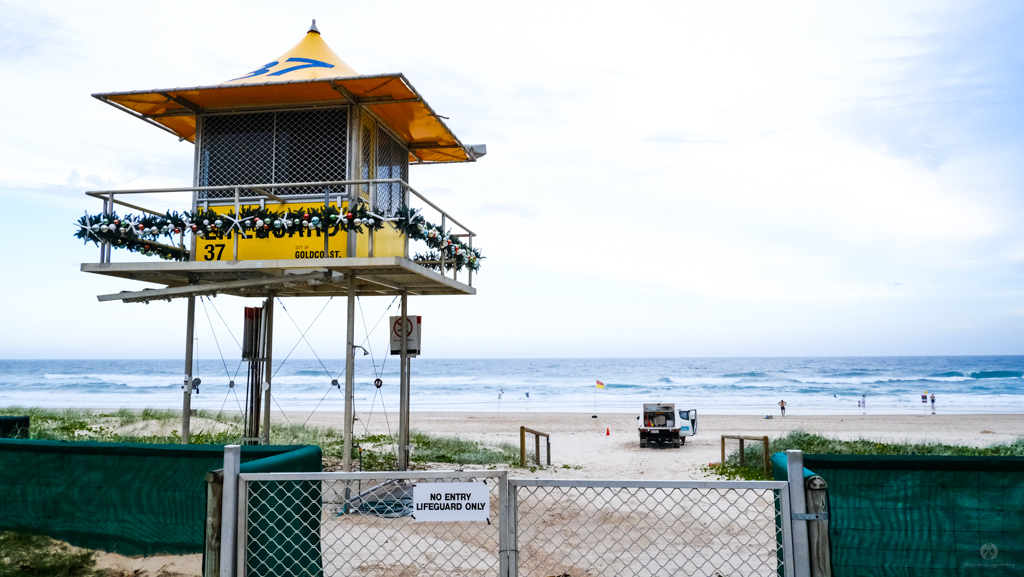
[[579, 441]]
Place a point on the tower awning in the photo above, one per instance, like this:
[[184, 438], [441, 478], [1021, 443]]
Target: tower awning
[[309, 73]]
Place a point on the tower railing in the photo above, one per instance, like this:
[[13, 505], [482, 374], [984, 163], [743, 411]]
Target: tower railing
[[307, 194]]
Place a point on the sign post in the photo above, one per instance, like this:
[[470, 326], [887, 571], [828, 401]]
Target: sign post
[[405, 341], [411, 332]]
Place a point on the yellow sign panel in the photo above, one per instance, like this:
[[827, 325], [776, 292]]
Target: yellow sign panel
[[294, 242]]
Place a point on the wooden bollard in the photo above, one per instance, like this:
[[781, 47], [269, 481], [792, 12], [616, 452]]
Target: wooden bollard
[[816, 492], [522, 447], [214, 502]]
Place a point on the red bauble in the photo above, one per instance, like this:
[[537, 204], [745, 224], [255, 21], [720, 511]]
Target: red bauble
[[266, 227], [349, 216], [142, 227], [116, 221], [306, 216], [177, 231], [194, 228]]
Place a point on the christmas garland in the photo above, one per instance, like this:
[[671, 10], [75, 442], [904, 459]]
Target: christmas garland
[[457, 254], [142, 233]]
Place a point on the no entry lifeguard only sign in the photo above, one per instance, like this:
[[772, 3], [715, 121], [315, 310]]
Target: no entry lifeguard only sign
[[438, 502]]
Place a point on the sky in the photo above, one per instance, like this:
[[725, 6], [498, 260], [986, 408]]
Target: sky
[[663, 179]]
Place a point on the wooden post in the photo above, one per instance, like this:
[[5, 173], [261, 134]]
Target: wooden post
[[214, 504], [536, 443], [548, 438], [767, 460], [722, 462], [522, 447], [741, 454], [816, 490]]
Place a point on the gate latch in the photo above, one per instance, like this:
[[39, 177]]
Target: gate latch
[[810, 516]]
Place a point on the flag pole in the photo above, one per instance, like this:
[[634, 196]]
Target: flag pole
[[594, 416]]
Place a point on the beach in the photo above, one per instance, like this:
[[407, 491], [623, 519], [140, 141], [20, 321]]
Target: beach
[[577, 440]]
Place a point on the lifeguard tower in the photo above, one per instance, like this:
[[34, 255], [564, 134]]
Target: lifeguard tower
[[300, 189]]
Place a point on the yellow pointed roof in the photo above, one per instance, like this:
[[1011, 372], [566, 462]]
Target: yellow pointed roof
[[310, 58], [308, 73]]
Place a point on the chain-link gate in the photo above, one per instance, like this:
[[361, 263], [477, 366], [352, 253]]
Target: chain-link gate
[[362, 524], [649, 528], [326, 524]]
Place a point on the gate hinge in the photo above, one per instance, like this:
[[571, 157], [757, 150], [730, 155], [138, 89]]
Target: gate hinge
[[810, 516]]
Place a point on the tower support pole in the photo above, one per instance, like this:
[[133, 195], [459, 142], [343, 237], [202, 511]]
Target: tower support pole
[[403, 403], [186, 402], [350, 372], [269, 365]]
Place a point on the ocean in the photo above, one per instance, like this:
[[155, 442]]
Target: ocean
[[824, 385]]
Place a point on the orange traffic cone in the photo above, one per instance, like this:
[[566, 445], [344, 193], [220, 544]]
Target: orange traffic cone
[[607, 432]]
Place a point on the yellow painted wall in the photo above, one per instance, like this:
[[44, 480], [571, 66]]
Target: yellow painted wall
[[298, 243]]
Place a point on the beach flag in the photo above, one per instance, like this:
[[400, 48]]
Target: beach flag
[[600, 385]]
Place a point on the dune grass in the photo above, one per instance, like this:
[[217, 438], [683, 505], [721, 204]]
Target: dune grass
[[818, 444], [373, 452], [37, 556]]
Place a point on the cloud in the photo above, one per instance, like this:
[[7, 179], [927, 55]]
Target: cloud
[[953, 87], [680, 137]]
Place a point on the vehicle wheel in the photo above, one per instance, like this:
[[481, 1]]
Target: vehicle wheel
[[676, 445], [643, 444]]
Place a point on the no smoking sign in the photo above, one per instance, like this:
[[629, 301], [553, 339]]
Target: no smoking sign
[[410, 329]]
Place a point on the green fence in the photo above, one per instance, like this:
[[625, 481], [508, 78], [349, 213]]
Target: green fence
[[133, 499], [910, 516]]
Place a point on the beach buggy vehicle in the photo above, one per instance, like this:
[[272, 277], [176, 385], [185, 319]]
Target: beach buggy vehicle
[[661, 423]]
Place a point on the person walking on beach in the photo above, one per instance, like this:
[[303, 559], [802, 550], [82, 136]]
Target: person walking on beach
[[782, 405], [933, 403]]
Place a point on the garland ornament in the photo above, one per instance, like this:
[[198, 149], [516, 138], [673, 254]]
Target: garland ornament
[[142, 233]]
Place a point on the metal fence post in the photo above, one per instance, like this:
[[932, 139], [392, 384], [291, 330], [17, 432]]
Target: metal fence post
[[798, 506], [787, 531], [503, 525], [229, 512], [511, 513], [240, 535]]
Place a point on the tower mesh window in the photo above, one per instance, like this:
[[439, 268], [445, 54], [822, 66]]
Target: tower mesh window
[[273, 148], [383, 157]]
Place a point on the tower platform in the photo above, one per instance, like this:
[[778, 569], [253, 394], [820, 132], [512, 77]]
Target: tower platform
[[375, 276]]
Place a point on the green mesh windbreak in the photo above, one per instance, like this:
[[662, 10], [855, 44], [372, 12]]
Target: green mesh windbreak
[[917, 516], [283, 518], [132, 499]]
